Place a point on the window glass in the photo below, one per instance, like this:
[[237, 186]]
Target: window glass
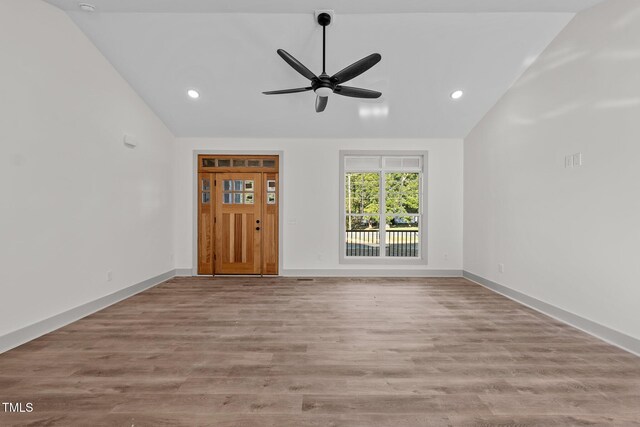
[[362, 236], [382, 207], [402, 236], [402, 191], [362, 193], [360, 163]]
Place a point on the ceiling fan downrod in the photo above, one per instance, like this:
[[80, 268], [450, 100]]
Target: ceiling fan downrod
[[324, 19]]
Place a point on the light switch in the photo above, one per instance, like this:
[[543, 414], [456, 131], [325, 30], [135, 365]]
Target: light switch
[[568, 161], [577, 159]]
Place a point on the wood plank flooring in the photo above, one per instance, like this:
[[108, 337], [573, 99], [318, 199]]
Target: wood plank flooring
[[282, 352]]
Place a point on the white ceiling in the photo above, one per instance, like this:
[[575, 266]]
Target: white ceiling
[[231, 58], [343, 6]]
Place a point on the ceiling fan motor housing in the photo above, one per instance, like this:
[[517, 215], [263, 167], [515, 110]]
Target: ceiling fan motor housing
[[323, 85]]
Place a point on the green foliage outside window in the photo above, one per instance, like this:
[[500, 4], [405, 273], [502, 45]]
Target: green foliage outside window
[[362, 196], [402, 193], [362, 193]]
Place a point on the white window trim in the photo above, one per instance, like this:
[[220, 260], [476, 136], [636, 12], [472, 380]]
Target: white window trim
[[424, 206]]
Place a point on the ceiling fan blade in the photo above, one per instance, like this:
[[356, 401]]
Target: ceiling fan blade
[[280, 92], [297, 65], [356, 92], [357, 68], [321, 103]]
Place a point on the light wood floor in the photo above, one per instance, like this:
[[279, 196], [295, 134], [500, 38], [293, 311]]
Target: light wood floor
[[321, 352]]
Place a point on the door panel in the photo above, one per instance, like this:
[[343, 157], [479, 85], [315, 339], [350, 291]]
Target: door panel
[[238, 225], [270, 222], [206, 208]]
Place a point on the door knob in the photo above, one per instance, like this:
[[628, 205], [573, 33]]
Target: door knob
[[257, 221], [258, 228]]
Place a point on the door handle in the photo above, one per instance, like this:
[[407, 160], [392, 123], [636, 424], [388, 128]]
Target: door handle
[[257, 221], [258, 228]]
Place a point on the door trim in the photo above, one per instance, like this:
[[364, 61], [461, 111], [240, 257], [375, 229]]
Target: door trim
[[195, 195]]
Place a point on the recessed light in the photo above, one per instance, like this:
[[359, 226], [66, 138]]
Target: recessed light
[[373, 111], [457, 94], [193, 94], [86, 7]]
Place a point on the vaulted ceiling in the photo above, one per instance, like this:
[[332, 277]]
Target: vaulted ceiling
[[227, 51]]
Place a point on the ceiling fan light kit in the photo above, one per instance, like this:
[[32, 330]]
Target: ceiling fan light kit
[[325, 85]]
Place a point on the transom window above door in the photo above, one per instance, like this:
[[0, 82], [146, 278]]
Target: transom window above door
[[226, 163], [382, 208]]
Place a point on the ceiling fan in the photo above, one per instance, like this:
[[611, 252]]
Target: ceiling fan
[[323, 85]]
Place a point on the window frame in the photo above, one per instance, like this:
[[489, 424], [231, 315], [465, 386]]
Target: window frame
[[422, 259]]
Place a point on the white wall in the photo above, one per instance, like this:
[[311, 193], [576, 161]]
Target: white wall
[[75, 202], [310, 183], [568, 237]]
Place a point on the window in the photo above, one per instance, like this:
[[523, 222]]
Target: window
[[213, 163], [238, 192], [382, 207]]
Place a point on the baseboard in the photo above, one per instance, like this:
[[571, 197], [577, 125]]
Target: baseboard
[[368, 272], [31, 332], [611, 336], [185, 272]]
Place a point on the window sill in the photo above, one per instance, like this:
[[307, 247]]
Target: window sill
[[382, 261]]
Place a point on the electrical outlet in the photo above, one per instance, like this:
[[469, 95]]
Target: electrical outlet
[[501, 268], [109, 276]]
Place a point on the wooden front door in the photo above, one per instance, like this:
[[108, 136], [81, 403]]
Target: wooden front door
[[238, 223]]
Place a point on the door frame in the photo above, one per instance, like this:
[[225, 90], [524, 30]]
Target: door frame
[[195, 199]]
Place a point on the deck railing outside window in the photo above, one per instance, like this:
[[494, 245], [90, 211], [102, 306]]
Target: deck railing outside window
[[366, 243]]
